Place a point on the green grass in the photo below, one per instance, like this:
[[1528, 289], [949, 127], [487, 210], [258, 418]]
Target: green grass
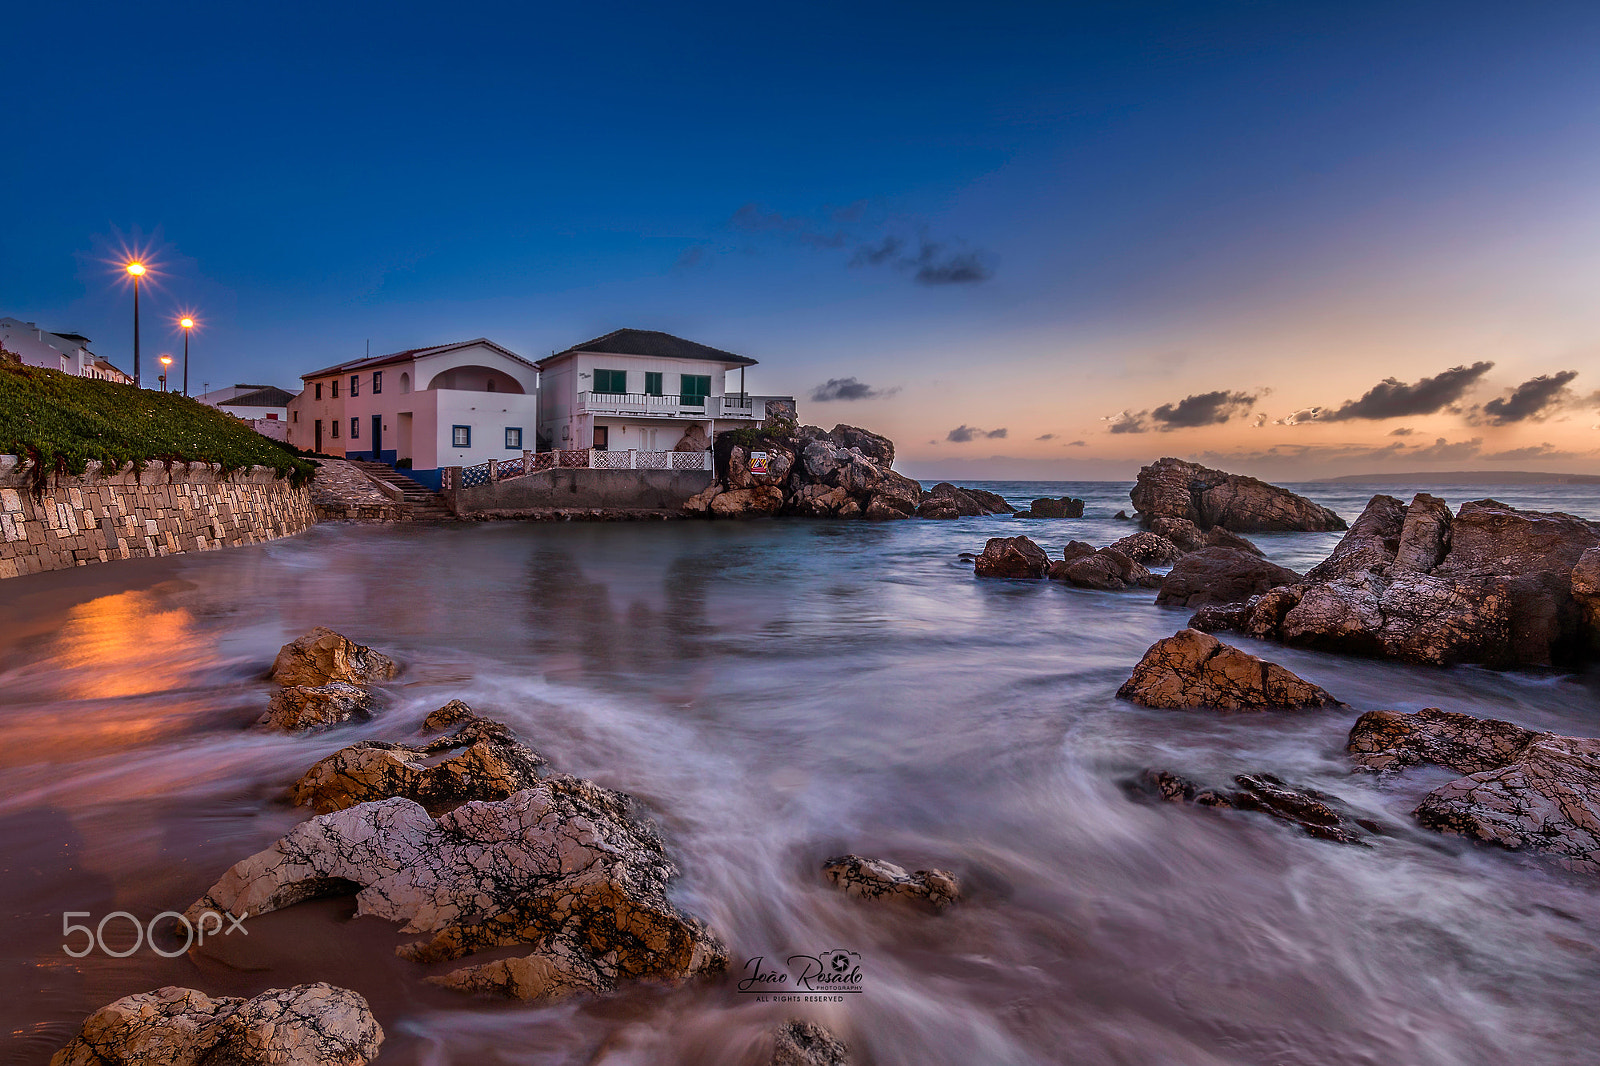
[[60, 422]]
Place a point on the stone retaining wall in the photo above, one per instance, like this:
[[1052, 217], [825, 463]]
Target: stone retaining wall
[[576, 489], [94, 519]]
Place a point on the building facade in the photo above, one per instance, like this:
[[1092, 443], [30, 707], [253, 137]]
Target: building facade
[[66, 352], [426, 408]]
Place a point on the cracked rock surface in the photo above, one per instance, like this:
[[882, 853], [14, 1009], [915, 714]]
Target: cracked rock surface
[[875, 879], [1172, 488], [484, 761], [802, 1043], [566, 867], [1087, 567], [1195, 669], [1012, 557], [1391, 740], [1220, 575], [306, 709], [322, 656], [1312, 812], [307, 1025]]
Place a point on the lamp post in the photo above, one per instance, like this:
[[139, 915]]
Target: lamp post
[[135, 271], [187, 323], [166, 361]]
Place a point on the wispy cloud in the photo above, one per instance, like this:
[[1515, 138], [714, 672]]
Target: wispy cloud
[[904, 246], [845, 389], [1393, 398], [963, 434], [1529, 401]]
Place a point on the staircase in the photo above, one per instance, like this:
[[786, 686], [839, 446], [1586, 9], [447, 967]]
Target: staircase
[[419, 501]]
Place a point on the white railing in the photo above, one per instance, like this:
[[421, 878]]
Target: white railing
[[582, 459], [672, 406]]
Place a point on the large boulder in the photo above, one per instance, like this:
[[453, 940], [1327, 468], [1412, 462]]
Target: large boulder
[[1012, 557], [306, 709], [1586, 594], [1220, 575], [802, 1043], [780, 460], [1053, 507], [1100, 568], [875, 879], [323, 656], [1148, 549], [1502, 591], [945, 500], [1393, 740], [759, 501], [875, 446], [1195, 669], [478, 760], [565, 867], [1308, 810], [307, 1025], [1173, 488], [1191, 538]]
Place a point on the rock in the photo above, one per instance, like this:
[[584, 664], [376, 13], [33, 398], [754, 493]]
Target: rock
[[700, 502], [1312, 812], [307, 1025], [1220, 575], [1063, 507], [780, 460], [1195, 669], [1391, 740], [875, 879], [1172, 488], [1012, 557], [1121, 516], [819, 501], [1586, 593], [820, 461], [945, 500], [1105, 568], [1370, 543], [565, 867], [874, 446], [880, 508], [1191, 538], [755, 502], [693, 440], [303, 709], [485, 762], [803, 1043], [1425, 534], [1148, 549], [323, 656]]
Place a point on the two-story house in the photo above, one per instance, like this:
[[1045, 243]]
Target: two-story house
[[644, 390], [66, 352], [425, 408]]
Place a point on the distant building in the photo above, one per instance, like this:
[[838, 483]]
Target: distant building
[[427, 408], [643, 390], [251, 402], [66, 352]]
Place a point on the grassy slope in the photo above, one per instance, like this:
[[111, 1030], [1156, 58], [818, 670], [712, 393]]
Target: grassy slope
[[63, 421]]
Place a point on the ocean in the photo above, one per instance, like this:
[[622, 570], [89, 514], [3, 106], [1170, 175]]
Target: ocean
[[775, 693]]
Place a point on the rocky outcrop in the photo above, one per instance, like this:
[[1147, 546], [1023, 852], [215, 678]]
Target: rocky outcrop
[[1586, 593], [1220, 575], [1194, 669], [483, 760], [1191, 538], [1087, 567], [875, 879], [307, 1025], [1046, 507], [1148, 549], [1523, 790], [1308, 810], [1491, 585], [323, 678], [945, 500], [565, 867], [1172, 488], [803, 1043], [842, 473], [1012, 557]]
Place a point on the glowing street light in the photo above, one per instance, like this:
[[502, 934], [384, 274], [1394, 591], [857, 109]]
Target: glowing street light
[[135, 271], [186, 324], [166, 361]]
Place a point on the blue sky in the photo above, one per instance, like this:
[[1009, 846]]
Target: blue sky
[[1056, 220]]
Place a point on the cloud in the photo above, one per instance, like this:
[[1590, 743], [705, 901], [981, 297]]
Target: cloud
[[692, 256], [1202, 409], [1047, 436], [996, 434], [964, 433], [1402, 431], [1127, 422], [1529, 400], [936, 266], [1535, 451], [900, 245], [752, 218], [1306, 414], [1393, 398], [847, 389], [1077, 444], [1442, 449]]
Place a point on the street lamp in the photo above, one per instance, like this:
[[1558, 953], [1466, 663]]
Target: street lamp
[[135, 271], [166, 361], [187, 323]]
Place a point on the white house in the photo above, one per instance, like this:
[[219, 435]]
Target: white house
[[426, 408], [643, 390], [265, 408], [66, 352]]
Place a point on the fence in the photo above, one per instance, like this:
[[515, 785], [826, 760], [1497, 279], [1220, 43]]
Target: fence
[[582, 458]]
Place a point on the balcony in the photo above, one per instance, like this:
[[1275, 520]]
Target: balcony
[[644, 405]]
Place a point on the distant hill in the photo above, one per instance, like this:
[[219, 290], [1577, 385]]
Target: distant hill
[[1466, 477]]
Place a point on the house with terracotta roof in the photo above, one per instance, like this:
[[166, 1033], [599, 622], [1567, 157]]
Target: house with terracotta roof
[[646, 391], [456, 404]]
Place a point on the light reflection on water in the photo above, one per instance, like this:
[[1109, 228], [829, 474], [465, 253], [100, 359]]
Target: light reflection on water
[[778, 692]]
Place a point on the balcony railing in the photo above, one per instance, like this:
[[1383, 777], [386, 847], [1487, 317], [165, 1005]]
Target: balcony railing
[[582, 459], [673, 406]]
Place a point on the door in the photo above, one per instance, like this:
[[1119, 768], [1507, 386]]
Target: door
[[602, 438], [377, 438], [694, 390], [318, 433]]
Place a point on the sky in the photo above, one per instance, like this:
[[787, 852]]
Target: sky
[[1294, 240]]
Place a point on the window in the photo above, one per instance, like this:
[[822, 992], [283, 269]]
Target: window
[[319, 390], [405, 383], [272, 416], [333, 428], [355, 386], [514, 438], [355, 428], [488, 386], [334, 386], [377, 382], [461, 436], [294, 416], [612, 381], [652, 383], [694, 390]]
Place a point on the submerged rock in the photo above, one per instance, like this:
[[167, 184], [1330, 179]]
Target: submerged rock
[[1047, 507], [565, 867], [803, 1043], [307, 1025], [875, 879], [1172, 488], [1220, 575], [1195, 669], [323, 656], [303, 709], [485, 762], [1310, 811], [1012, 557]]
